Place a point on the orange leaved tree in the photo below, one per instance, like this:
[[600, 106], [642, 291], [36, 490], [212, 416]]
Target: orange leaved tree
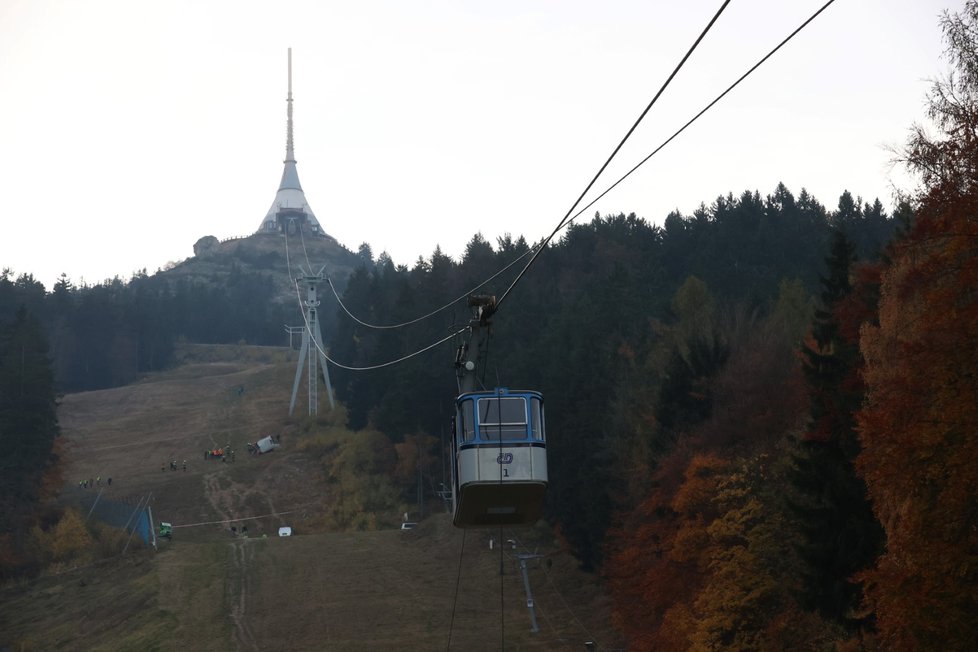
[[919, 427]]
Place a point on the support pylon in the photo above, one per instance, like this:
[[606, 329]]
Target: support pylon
[[311, 353]]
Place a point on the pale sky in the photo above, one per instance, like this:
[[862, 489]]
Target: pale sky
[[130, 129]]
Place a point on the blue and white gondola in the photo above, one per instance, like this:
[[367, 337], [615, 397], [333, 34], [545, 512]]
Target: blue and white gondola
[[499, 458]]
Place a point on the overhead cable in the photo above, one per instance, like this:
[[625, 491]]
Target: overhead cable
[[571, 216], [392, 362], [436, 310], [698, 115], [312, 339], [566, 218], [302, 239], [560, 225]]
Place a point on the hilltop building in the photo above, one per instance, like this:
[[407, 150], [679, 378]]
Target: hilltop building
[[290, 211]]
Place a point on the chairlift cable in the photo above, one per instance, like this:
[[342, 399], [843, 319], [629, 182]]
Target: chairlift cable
[[698, 115], [570, 218], [433, 312], [319, 348], [312, 339], [567, 218], [617, 149], [302, 239], [288, 265]]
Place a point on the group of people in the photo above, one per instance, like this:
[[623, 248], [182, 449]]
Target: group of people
[[94, 482], [226, 454], [173, 466]]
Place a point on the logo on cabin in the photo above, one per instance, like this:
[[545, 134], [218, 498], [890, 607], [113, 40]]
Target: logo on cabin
[[504, 458]]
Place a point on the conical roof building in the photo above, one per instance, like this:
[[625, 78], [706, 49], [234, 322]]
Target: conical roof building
[[290, 211]]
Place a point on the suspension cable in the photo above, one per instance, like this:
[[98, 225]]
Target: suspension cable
[[567, 218], [698, 115], [571, 216], [319, 348], [308, 328], [302, 239], [616, 150], [433, 312]]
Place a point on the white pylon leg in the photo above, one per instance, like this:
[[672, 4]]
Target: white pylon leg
[[317, 332], [303, 351], [312, 352]]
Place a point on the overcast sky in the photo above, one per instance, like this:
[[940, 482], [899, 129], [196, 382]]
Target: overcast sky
[[130, 129]]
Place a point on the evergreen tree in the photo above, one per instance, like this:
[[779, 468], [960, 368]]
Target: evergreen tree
[[840, 534], [28, 417]]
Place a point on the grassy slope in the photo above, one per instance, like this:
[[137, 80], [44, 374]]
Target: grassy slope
[[325, 590]]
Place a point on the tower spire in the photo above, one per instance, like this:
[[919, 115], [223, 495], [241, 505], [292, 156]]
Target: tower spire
[[290, 210], [289, 146]]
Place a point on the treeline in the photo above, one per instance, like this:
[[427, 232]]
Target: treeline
[[105, 335]]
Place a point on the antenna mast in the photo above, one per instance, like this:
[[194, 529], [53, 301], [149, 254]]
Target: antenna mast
[[289, 151]]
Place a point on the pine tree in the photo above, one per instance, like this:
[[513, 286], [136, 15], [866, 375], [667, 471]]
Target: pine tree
[[840, 534], [28, 418]]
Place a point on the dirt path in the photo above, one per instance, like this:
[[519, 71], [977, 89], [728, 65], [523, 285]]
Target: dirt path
[[232, 500], [238, 589], [217, 497]]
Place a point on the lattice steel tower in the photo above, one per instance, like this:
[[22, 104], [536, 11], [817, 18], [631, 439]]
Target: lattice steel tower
[[312, 351]]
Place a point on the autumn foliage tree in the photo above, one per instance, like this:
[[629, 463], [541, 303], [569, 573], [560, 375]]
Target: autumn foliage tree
[[69, 539], [919, 427], [707, 560]]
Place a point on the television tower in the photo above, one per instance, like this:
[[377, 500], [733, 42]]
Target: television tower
[[290, 210]]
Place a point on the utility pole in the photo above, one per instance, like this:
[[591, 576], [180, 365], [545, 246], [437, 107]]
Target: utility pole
[[311, 353]]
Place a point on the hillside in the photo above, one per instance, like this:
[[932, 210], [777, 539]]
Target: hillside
[[209, 589], [215, 261]]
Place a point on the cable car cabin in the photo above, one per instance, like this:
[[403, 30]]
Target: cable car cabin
[[500, 465]]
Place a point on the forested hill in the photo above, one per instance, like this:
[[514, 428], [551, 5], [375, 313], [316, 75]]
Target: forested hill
[[605, 284], [599, 324], [239, 290]]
